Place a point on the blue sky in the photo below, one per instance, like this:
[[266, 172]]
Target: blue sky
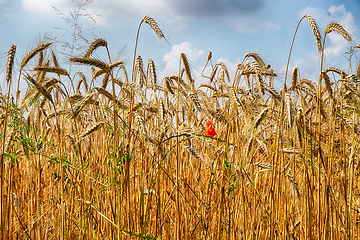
[[227, 28]]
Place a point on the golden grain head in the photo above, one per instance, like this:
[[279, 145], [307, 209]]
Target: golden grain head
[[94, 45], [10, 63], [32, 53], [339, 29], [315, 29], [155, 27]]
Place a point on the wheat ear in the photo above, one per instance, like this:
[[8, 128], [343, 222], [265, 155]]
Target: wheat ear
[[187, 67], [57, 70], [315, 29], [91, 129], [32, 53], [257, 58], [339, 29], [168, 85], [155, 27], [10, 63], [192, 152], [79, 106], [139, 66], [260, 117], [82, 80], [101, 71], [152, 73], [92, 62], [193, 96], [56, 64], [94, 45], [40, 88], [294, 78]]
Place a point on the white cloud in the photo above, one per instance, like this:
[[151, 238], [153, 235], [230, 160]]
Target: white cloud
[[45, 5], [172, 59], [319, 15], [250, 24], [238, 14]]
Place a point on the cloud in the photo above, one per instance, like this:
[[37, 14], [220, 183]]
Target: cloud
[[45, 5], [209, 9], [250, 24], [172, 59], [242, 15]]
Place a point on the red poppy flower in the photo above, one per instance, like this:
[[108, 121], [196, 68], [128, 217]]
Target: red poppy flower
[[209, 123], [210, 131]]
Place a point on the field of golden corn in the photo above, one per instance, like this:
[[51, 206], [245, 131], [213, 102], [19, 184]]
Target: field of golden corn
[[111, 152]]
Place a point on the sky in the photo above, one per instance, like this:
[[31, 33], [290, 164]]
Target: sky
[[227, 28]]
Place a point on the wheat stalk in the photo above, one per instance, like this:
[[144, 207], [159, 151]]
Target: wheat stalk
[[289, 109]]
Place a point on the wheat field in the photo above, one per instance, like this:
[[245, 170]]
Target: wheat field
[[116, 153]]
